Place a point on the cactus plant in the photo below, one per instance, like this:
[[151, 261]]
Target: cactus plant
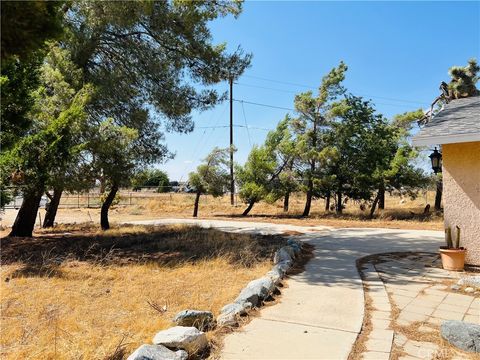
[[448, 237], [457, 239], [453, 256]]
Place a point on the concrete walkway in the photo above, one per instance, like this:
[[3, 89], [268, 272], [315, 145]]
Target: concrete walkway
[[321, 310]]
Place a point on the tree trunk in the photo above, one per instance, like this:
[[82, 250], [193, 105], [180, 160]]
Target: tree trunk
[[195, 207], [52, 208], [286, 201], [374, 205], [249, 207], [106, 206], [327, 201], [381, 197], [25, 220], [438, 195], [339, 202], [308, 202]]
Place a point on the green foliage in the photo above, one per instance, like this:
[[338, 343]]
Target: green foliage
[[26, 25], [155, 55], [313, 121], [407, 119], [212, 177], [151, 178], [363, 143], [258, 177], [18, 81], [282, 144], [40, 156], [113, 152], [463, 80]]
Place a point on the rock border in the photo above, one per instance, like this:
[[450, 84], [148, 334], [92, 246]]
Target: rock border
[[188, 338]]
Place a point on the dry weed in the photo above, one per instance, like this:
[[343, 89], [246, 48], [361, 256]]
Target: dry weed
[[86, 295]]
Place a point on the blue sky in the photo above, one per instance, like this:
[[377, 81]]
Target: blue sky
[[397, 54]]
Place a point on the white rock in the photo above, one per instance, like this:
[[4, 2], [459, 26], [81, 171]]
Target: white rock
[[256, 291], [469, 290], [157, 352], [283, 255], [236, 308], [471, 281], [182, 337], [202, 320], [227, 319]]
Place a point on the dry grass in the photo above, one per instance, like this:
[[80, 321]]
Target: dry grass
[[93, 295], [359, 347], [399, 214]]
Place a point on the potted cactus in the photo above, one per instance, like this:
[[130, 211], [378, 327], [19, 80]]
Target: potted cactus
[[453, 256]]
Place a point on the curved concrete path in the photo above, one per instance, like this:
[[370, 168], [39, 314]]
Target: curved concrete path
[[321, 310]]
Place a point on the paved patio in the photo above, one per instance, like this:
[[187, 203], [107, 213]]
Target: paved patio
[[418, 293]]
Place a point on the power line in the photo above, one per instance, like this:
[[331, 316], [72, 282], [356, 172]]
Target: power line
[[235, 125], [265, 105], [246, 126], [316, 87]]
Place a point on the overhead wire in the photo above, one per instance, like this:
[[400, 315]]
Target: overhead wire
[[316, 87], [246, 126]]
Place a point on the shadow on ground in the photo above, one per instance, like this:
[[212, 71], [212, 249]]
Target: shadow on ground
[[336, 252], [159, 245]]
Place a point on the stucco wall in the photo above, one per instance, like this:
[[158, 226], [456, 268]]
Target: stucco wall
[[461, 191]]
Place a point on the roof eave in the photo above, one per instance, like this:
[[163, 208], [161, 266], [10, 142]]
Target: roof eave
[[445, 139]]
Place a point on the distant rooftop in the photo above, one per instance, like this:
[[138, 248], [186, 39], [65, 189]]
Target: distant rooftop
[[458, 122]]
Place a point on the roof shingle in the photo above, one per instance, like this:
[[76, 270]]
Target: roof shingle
[[459, 121]]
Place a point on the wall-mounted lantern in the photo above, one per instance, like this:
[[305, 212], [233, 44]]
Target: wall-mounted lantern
[[436, 159]]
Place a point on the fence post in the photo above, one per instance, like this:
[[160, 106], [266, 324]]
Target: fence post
[[88, 200]]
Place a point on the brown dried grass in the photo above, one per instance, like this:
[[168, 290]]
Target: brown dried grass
[[406, 215], [86, 294]]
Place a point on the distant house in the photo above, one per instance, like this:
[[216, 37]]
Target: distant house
[[457, 129]]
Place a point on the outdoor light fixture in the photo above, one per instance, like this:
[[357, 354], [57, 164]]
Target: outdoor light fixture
[[436, 159]]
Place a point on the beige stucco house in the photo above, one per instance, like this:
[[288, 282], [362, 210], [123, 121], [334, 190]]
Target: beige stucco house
[[457, 129]]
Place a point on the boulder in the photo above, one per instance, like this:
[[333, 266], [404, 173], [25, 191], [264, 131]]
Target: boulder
[[471, 281], [276, 275], [295, 245], [227, 319], [465, 336], [256, 291], [236, 308], [202, 320], [284, 266], [187, 338], [290, 251], [283, 255], [157, 352]]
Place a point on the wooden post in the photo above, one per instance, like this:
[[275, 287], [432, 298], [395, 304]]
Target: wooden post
[[232, 182]]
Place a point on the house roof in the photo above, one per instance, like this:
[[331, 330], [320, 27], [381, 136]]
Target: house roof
[[458, 122]]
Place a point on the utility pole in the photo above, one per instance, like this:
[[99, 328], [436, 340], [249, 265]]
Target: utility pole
[[232, 182]]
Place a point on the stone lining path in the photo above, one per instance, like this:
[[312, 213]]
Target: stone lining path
[[321, 311]]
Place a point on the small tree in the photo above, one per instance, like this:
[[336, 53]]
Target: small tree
[[283, 145], [312, 122], [151, 178], [259, 178], [113, 154], [363, 141], [211, 177], [36, 157]]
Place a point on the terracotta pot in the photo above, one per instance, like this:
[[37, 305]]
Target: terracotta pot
[[452, 259]]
